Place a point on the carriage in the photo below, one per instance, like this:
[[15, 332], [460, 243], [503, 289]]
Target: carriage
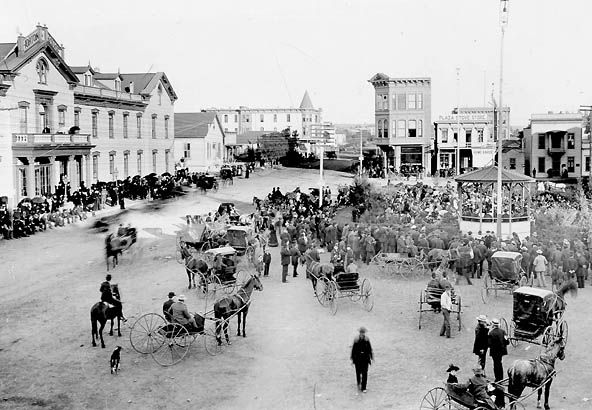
[[505, 274], [429, 301], [200, 237], [207, 181], [536, 313], [229, 278], [402, 264], [226, 175], [339, 284], [239, 237], [449, 397]]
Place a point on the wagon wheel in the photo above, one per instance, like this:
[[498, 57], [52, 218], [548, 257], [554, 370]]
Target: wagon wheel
[[435, 399], [144, 333], [366, 295], [173, 346], [210, 342], [548, 336], [485, 288], [402, 268], [459, 311], [321, 291], [422, 300], [332, 297], [241, 278], [512, 335], [504, 326], [206, 245]]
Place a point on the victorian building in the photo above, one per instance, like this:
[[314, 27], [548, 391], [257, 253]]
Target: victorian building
[[199, 141], [403, 120], [75, 124]]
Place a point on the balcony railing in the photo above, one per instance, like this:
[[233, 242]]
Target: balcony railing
[[102, 92], [49, 139], [556, 150]]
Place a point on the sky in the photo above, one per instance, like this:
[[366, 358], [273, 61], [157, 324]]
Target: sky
[[266, 53]]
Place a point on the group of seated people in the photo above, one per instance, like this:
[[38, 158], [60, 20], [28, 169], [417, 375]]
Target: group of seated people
[[177, 312], [476, 389]]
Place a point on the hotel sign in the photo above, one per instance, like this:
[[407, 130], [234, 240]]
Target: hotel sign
[[33, 38], [464, 117]]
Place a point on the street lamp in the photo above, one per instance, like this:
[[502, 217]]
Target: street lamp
[[500, 133]]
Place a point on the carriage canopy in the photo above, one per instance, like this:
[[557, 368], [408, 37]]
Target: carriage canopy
[[506, 265], [532, 308], [224, 251], [238, 236], [194, 233]]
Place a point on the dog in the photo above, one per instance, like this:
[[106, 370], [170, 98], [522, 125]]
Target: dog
[[115, 358]]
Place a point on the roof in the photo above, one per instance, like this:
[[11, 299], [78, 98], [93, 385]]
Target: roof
[[508, 255], [81, 69], [194, 124], [526, 290], [144, 83], [249, 137], [106, 76], [306, 103], [5, 49], [489, 174]]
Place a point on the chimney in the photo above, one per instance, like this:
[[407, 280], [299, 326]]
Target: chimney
[[131, 87]]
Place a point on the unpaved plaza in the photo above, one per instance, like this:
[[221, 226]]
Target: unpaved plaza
[[296, 355]]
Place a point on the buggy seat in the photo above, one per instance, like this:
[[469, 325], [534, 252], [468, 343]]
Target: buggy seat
[[347, 280]]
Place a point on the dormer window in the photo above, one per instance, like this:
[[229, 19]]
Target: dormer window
[[42, 69], [88, 79], [117, 84]]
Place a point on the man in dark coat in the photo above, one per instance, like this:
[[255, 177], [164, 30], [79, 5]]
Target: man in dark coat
[[497, 341], [266, 260], [295, 256], [285, 261], [362, 356], [481, 340], [166, 306]]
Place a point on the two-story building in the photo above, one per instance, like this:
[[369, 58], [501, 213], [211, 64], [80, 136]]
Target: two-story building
[[403, 120], [75, 124], [199, 141], [553, 145]]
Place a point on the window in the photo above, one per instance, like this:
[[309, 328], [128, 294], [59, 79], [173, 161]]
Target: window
[[167, 153], [444, 135], [571, 141], [274, 117], [411, 104], [139, 163], [235, 117], [378, 102], [24, 116], [468, 136], [117, 84], [385, 128], [401, 99], [125, 118], [287, 117], [541, 141], [94, 118], [480, 134], [61, 117], [159, 91], [401, 129], [384, 103], [95, 167], [317, 117], [77, 117], [512, 163], [394, 102], [261, 118], [111, 114], [570, 164], [166, 126], [420, 101], [126, 164], [444, 161], [139, 125], [394, 132], [187, 150], [154, 153], [88, 80], [111, 164], [587, 164], [42, 68], [412, 131], [225, 118], [541, 169], [420, 128], [153, 125]]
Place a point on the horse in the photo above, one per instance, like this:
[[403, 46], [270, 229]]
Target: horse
[[101, 312], [192, 265], [557, 306], [237, 303], [111, 251], [316, 270], [533, 373]]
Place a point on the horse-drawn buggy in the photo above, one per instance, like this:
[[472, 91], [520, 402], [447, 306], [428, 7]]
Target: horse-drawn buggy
[[200, 237], [227, 175], [115, 244], [505, 274], [207, 181], [330, 284], [402, 264], [452, 397], [223, 271], [239, 237], [538, 313], [429, 301]]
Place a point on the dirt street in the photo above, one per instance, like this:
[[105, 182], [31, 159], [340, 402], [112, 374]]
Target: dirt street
[[295, 355]]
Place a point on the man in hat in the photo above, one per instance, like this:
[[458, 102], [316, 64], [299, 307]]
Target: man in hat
[[166, 306], [446, 306], [266, 260], [181, 315], [295, 256], [481, 340], [362, 356], [539, 265], [477, 386], [107, 295], [497, 341], [285, 255]]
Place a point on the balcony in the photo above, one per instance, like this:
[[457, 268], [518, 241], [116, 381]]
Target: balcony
[[556, 150], [33, 140], [105, 93]]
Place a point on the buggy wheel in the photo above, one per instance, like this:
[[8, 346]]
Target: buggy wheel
[[332, 297], [458, 301], [241, 278], [512, 335], [174, 347], [435, 399], [548, 336], [144, 333], [366, 295], [210, 342], [402, 268], [206, 245], [214, 286], [321, 291], [504, 325], [485, 288]]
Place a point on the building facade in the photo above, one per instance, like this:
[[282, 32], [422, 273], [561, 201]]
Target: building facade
[[199, 141], [553, 146], [74, 124], [403, 120]]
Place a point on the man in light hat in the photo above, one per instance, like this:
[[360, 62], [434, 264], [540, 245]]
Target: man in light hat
[[481, 335], [166, 306], [362, 356], [181, 315], [539, 265], [497, 341]]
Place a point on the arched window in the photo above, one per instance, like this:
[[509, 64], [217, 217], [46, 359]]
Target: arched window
[[42, 69], [385, 129], [379, 128]]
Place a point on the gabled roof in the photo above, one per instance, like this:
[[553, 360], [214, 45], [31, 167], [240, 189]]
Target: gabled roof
[[489, 174], [107, 76], [379, 77], [249, 137], [194, 124], [145, 83], [306, 103], [81, 69]]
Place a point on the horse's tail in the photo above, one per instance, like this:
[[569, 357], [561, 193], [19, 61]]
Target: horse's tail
[[570, 286]]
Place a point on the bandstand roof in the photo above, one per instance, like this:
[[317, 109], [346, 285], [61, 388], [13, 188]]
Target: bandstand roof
[[489, 174]]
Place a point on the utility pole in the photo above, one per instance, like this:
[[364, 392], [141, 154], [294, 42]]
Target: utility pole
[[458, 121], [500, 126]]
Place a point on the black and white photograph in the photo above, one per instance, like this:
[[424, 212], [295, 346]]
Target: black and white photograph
[[295, 205]]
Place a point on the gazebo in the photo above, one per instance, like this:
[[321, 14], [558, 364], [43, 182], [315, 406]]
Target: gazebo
[[477, 193]]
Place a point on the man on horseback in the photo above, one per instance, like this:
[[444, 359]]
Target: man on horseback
[[107, 296]]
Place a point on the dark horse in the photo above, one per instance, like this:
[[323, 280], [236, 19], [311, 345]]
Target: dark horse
[[101, 312], [235, 304], [111, 251], [192, 265], [536, 372]]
